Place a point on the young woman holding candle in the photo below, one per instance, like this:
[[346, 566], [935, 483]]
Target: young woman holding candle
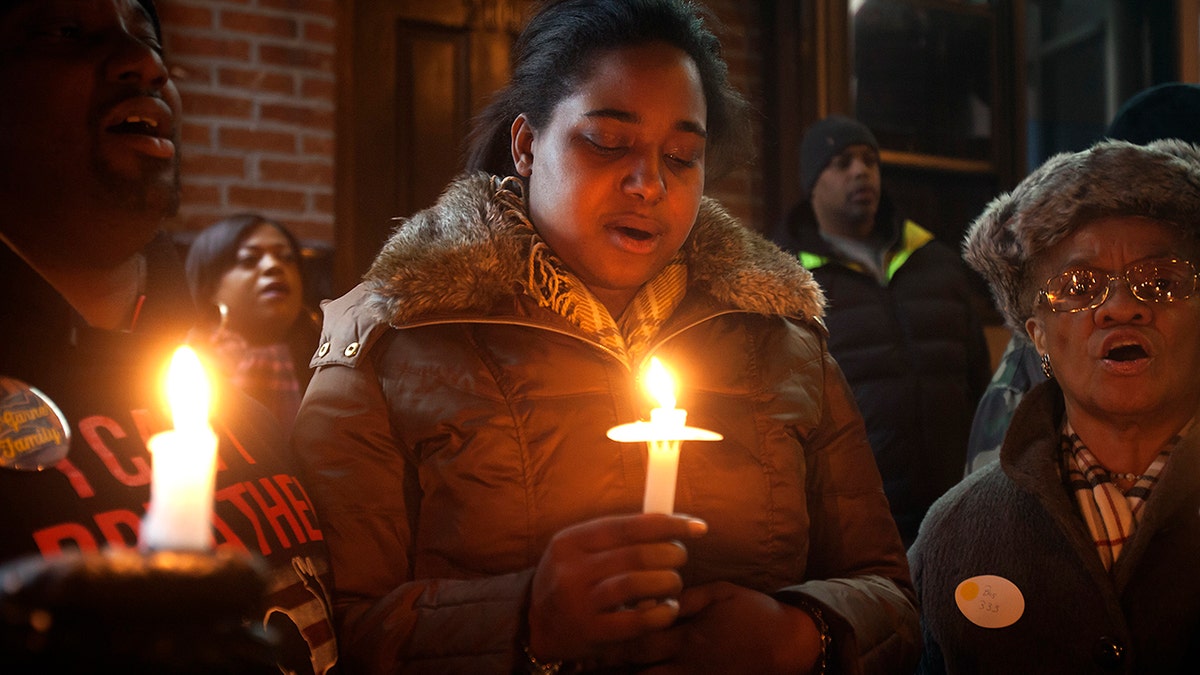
[[454, 433]]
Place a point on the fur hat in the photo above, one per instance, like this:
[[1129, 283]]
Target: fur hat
[[825, 140], [1160, 180]]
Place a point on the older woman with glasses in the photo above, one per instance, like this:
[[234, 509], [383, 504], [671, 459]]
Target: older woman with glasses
[[1077, 551]]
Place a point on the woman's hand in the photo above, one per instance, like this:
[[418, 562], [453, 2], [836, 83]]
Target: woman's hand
[[606, 581], [725, 628]]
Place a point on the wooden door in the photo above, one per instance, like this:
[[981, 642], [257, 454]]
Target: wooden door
[[411, 74]]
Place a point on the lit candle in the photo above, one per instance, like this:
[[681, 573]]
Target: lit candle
[[183, 463], [663, 434]]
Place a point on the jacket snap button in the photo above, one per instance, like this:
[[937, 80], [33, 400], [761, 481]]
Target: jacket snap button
[[1109, 653], [323, 349], [351, 349]]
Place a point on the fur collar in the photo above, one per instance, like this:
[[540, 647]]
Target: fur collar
[[468, 253]]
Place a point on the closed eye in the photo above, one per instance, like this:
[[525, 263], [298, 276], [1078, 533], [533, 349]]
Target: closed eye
[[605, 149], [683, 161], [60, 30]]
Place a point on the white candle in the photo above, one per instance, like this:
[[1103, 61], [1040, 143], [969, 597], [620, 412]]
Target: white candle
[[183, 464], [663, 435], [662, 466]]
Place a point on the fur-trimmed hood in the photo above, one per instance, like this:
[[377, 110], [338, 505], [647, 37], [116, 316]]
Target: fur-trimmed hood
[[470, 251], [1160, 180]]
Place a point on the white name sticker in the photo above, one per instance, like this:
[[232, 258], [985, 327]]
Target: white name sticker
[[989, 601]]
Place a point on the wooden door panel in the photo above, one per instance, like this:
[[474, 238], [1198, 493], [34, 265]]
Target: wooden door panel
[[411, 74], [432, 112]]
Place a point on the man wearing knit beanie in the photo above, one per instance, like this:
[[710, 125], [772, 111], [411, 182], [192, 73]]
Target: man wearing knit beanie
[[827, 139], [901, 319]]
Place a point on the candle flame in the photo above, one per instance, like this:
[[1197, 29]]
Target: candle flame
[[188, 391], [660, 384]]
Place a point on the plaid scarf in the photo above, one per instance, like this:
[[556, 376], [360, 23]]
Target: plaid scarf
[[630, 336], [265, 373], [1110, 514]]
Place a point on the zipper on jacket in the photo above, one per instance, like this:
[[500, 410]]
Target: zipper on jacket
[[658, 342], [913, 237]]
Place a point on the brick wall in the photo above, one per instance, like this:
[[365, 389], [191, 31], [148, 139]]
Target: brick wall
[[742, 191], [256, 77], [257, 82]]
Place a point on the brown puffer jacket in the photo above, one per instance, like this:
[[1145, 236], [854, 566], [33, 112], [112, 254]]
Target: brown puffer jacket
[[453, 426]]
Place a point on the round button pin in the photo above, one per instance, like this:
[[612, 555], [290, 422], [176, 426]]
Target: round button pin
[[989, 601], [34, 434]]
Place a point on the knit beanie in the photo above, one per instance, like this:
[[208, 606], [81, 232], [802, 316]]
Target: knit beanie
[[825, 140], [1170, 110], [1159, 180]]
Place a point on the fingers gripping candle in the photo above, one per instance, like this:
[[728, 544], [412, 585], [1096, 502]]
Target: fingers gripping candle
[[663, 435], [183, 464]]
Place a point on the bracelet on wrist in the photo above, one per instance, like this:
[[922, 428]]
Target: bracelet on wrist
[[811, 608], [536, 667]]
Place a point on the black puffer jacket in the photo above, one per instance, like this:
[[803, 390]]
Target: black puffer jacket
[[912, 348]]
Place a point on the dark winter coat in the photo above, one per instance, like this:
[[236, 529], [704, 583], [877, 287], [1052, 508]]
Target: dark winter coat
[[913, 350], [1015, 519], [448, 447]]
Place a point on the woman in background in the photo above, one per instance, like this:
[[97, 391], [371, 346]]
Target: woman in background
[[246, 270]]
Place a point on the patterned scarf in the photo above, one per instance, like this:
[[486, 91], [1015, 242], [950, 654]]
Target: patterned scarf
[[1110, 514], [265, 373], [553, 286]]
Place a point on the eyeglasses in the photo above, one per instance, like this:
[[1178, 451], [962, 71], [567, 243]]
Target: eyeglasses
[[1078, 289]]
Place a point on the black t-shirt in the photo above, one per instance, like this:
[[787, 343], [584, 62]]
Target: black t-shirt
[[108, 387]]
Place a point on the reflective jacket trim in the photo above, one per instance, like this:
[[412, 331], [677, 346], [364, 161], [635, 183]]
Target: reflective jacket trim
[[914, 237]]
